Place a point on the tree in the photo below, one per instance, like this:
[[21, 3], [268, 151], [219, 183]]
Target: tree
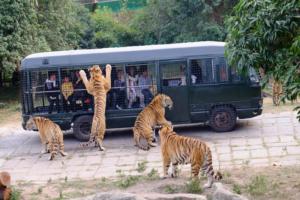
[[266, 34], [19, 34], [172, 21]]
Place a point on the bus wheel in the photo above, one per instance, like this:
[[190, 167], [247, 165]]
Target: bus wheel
[[82, 127], [222, 118]]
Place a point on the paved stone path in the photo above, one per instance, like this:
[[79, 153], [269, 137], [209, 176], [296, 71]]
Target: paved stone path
[[262, 141]]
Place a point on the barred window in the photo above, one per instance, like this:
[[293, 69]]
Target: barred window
[[44, 90], [235, 76], [223, 70], [173, 73], [141, 85], [202, 71]]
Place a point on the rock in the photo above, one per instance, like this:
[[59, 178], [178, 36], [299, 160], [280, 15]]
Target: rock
[[111, 196], [221, 193], [149, 196], [178, 196]]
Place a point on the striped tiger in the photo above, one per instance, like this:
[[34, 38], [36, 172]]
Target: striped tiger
[[178, 149], [50, 134], [98, 86], [5, 190], [153, 114]]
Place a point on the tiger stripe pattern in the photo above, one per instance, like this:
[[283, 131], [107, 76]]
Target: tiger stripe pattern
[[153, 114], [98, 86], [176, 149], [50, 134]]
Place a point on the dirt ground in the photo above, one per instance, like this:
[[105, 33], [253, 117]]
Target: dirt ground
[[274, 183]]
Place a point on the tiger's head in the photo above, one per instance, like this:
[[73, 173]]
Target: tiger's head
[[164, 100], [96, 72], [165, 129], [30, 124]]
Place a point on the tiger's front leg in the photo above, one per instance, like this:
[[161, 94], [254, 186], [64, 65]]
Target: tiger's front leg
[[45, 149], [166, 165], [174, 170], [86, 83]]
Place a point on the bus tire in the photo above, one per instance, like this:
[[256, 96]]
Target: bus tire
[[82, 127], [222, 118]]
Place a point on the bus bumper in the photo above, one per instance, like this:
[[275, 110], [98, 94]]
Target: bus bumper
[[248, 113]]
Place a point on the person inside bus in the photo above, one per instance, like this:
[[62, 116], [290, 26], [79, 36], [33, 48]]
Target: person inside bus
[[119, 91], [81, 97], [67, 92], [145, 84], [51, 88], [132, 79]]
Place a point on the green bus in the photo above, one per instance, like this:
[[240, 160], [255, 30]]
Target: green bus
[[204, 88]]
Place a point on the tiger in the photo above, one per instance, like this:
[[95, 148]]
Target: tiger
[[5, 190], [178, 149], [153, 114], [50, 134], [98, 86]]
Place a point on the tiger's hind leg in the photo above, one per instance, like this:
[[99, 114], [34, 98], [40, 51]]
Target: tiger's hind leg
[[149, 138], [62, 146], [174, 170], [45, 149], [137, 138], [53, 150]]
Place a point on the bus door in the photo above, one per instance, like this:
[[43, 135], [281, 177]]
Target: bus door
[[173, 75]]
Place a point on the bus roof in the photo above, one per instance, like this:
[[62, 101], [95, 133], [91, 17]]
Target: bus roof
[[122, 54]]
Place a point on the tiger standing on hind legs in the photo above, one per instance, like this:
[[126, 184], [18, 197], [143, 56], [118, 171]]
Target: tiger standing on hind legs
[[98, 86], [153, 114], [176, 149]]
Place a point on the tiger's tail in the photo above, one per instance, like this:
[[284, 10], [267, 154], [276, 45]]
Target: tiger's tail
[[208, 168]]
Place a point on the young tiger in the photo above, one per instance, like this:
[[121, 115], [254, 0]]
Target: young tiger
[[50, 134], [178, 149], [98, 86], [151, 115]]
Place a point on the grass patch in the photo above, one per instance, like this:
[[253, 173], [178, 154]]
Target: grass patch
[[237, 188], [258, 186], [152, 175], [170, 189], [16, 194], [141, 166], [126, 181], [193, 186]]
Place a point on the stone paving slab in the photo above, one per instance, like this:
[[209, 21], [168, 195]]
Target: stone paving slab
[[270, 139]]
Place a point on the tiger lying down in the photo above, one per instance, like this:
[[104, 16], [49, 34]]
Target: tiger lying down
[[50, 134], [176, 149]]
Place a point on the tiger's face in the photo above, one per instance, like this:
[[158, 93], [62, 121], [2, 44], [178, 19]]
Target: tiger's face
[[30, 124], [95, 72], [167, 101]]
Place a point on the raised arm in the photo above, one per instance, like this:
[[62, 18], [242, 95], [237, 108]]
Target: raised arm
[[107, 84], [86, 83]]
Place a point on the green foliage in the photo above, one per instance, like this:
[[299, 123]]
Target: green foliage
[[33, 26], [126, 181], [153, 175], [265, 34], [141, 166], [16, 194], [237, 189], [170, 189], [258, 185], [193, 186], [172, 21]]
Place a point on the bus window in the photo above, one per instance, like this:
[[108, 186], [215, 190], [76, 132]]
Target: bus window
[[173, 73], [45, 91], [141, 84], [202, 71], [223, 70], [117, 95], [235, 76]]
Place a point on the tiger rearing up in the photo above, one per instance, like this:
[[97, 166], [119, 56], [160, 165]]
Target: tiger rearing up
[[178, 149], [50, 134], [98, 86], [151, 115]]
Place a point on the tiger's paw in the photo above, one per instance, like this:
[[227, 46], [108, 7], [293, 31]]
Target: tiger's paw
[[207, 185], [152, 144], [63, 153], [174, 175], [82, 73], [44, 151], [51, 157], [164, 177], [108, 68], [101, 148]]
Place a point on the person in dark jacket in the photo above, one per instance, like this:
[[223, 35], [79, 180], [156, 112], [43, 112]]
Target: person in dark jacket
[[52, 91]]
